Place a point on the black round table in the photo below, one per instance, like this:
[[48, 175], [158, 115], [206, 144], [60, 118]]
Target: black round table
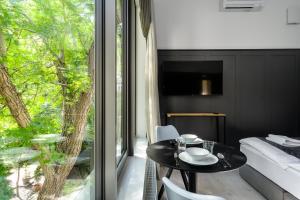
[[163, 153]]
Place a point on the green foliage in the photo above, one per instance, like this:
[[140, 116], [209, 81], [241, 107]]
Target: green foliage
[[4, 170], [71, 186], [38, 34], [6, 192], [38, 173], [42, 36], [46, 122]]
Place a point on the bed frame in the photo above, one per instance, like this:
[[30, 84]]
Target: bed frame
[[265, 186]]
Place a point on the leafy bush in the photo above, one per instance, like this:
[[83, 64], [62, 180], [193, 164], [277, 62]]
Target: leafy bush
[[6, 192]]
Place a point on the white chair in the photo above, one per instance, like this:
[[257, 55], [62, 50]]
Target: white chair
[[176, 193], [166, 133]]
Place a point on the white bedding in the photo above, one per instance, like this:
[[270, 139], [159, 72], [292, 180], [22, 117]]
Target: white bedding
[[295, 167], [283, 140], [287, 178], [280, 157]]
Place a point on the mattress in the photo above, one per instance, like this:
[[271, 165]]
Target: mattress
[[288, 179]]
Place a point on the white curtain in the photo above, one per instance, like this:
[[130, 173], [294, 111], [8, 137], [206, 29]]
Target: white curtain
[[146, 9], [151, 86]]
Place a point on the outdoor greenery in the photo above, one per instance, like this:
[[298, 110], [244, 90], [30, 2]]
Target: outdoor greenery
[[6, 191], [46, 77]]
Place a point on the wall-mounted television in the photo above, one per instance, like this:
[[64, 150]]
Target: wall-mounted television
[[204, 78]]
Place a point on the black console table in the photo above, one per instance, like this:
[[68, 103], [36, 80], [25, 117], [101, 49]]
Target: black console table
[[212, 115]]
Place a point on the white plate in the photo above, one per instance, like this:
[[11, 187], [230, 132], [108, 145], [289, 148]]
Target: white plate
[[196, 141], [209, 160]]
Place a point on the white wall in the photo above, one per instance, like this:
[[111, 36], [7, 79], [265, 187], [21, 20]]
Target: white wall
[[140, 79], [198, 24]]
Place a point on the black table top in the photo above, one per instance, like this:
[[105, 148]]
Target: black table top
[[163, 153]]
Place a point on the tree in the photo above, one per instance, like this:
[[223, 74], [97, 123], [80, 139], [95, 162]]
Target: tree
[[50, 45], [9, 93]]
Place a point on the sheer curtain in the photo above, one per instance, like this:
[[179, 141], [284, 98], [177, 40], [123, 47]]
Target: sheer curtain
[[151, 71]]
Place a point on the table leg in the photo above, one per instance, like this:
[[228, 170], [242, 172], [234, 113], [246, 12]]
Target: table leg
[[184, 178], [224, 131], [192, 182], [218, 129], [166, 120], [162, 188]]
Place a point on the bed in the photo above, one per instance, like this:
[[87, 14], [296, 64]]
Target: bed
[[272, 174]]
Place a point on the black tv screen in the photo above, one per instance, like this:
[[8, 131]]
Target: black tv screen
[[193, 78]]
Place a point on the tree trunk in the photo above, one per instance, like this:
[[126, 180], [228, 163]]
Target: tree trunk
[[75, 117], [56, 176], [9, 92]]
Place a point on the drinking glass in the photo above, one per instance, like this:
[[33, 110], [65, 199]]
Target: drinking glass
[[209, 145], [181, 145]]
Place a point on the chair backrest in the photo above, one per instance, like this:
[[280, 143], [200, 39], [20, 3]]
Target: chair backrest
[[166, 133], [176, 193]]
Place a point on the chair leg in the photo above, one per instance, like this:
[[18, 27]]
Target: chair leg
[[157, 174], [162, 188], [184, 178]]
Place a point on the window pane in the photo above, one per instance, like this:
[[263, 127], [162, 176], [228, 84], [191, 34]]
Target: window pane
[[46, 99], [120, 73]]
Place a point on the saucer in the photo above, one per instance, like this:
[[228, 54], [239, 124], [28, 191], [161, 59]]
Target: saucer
[[196, 141]]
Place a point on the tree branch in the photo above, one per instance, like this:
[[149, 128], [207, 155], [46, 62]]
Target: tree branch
[[60, 66], [9, 92]]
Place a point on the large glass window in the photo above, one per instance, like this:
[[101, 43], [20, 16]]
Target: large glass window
[[46, 99], [121, 71]]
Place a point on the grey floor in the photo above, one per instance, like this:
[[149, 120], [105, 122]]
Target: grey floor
[[227, 184], [131, 180]]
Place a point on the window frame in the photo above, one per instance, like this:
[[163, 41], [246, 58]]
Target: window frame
[[125, 61], [105, 141], [129, 57], [106, 168]]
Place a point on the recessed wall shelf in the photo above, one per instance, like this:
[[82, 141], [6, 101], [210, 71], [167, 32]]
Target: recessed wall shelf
[[193, 78], [214, 115], [196, 115]]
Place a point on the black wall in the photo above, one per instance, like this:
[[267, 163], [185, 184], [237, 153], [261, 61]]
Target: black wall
[[260, 94]]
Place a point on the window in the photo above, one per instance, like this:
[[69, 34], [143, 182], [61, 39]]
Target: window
[[46, 99], [121, 82]]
